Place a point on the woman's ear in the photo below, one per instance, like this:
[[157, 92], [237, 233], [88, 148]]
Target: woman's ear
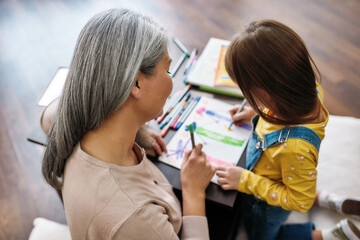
[[136, 89]]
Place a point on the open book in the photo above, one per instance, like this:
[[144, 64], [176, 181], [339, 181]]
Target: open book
[[211, 119], [210, 74]]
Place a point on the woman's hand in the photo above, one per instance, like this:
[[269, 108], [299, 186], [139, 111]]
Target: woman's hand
[[242, 117], [229, 176], [152, 142], [196, 173]]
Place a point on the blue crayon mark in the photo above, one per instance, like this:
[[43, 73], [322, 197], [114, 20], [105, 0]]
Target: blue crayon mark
[[212, 113], [188, 129], [246, 126], [179, 152], [219, 116]]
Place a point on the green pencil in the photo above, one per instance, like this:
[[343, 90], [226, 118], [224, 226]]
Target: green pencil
[[191, 128]]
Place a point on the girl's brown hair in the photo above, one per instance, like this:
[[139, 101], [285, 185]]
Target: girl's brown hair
[[274, 69]]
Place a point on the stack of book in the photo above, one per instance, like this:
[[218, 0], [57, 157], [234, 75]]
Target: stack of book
[[209, 72]]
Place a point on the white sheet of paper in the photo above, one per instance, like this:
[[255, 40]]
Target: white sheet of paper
[[221, 145], [55, 87]]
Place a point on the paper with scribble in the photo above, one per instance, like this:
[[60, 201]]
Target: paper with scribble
[[211, 119]]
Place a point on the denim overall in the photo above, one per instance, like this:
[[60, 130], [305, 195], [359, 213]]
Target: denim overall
[[263, 221]]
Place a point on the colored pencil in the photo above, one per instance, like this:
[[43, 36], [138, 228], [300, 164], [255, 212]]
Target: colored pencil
[[191, 128], [165, 128], [173, 101], [181, 112], [187, 112], [191, 58], [181, 119], [193, 61], [239, 110], [180, 45], [173, 113], [170, 105], [178, 64]]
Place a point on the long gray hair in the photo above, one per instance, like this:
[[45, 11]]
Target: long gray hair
[[112, 47]]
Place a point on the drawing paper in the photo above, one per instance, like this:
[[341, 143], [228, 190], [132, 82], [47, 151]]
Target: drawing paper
[[211, 119]]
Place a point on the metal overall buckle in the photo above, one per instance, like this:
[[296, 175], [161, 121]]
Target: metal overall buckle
[[281, 140], [262, 146]]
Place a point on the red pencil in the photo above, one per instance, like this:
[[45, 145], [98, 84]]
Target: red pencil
[[186, 103], [181, 111], [174, 101]]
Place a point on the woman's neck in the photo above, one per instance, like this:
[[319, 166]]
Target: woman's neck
[[113, 141]]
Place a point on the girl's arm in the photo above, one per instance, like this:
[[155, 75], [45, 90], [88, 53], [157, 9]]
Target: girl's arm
[[295, 191]]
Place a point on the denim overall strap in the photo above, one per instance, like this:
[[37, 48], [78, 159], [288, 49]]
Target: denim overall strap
[[256, 146]]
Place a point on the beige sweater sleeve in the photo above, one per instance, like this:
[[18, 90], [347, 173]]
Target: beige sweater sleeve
[[194, 228], [152, 223]]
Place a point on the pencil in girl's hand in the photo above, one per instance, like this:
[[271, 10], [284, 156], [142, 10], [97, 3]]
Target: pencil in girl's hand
[[191, 128], [239, 110]]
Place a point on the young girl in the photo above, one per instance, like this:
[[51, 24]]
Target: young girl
[[277, 76]]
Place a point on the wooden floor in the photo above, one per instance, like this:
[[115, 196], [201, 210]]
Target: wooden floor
[[36, 37]]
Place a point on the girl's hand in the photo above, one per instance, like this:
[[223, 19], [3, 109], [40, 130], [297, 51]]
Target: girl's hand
[[242, 117], [229, 176], [196, 171], [159, 145], [152, 142]]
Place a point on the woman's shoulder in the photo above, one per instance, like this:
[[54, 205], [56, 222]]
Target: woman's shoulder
[[89, 192]]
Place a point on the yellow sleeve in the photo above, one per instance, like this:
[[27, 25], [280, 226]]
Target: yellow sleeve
[[296, 189]]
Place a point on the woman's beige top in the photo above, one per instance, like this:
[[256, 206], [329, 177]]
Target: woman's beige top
[[107, 201]]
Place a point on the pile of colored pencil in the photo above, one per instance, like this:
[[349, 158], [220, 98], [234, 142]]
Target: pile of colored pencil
[[177, 110]]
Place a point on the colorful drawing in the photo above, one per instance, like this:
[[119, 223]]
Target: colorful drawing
[[210, 119], [219, 137]]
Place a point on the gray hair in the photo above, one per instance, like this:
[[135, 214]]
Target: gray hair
[[111, 49]]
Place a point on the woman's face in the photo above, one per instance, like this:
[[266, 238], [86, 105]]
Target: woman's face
[[158, 87]]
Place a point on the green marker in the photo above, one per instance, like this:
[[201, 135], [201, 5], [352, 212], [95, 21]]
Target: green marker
[[178, 64], [191, 128]]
